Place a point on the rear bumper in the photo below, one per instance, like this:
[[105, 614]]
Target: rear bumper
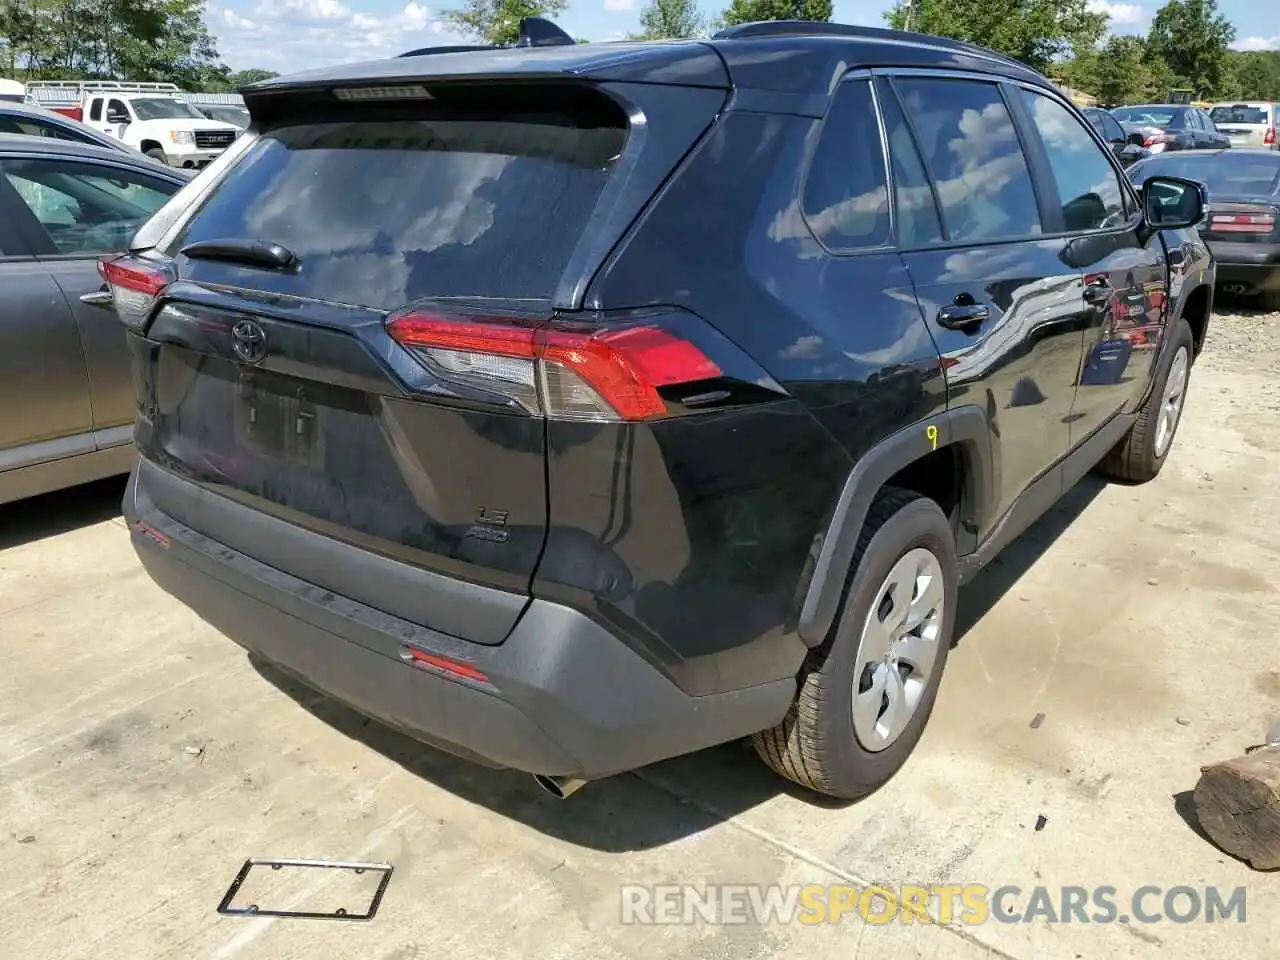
[[562, 696], [1255, 264]]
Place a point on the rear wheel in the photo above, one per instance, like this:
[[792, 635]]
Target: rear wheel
[[866, 694], [1140, 455]]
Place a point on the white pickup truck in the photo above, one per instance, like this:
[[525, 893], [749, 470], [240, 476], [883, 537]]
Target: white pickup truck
[[164, 128]]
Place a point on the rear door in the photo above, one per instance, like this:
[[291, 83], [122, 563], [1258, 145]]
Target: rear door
[[1001, 300], [77, 211], [281, 387], [44, 385]]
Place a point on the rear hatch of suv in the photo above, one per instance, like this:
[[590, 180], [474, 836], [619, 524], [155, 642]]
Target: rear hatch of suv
[[1246, 124], [341, 342]]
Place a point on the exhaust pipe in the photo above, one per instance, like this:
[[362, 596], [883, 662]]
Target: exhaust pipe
[[559, 787]]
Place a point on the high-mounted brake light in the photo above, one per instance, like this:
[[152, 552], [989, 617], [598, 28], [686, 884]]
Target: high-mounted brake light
[[135, 286], [604, 374], [413, 92]]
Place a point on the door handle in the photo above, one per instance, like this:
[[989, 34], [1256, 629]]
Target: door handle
[[963, 316], [1098, 293], [97, 298]]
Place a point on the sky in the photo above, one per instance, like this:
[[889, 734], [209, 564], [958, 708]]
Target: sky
[[291, 35]]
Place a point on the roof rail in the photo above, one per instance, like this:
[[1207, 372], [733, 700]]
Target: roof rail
[[455, 48], [819, 28], [534, 32]]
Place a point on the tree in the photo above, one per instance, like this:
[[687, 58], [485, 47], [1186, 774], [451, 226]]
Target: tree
[[1193, 39], [1125, 74], [498, 21], [670, 20], [750, 11], [243, 78], [1252, 75], [1037, 32]]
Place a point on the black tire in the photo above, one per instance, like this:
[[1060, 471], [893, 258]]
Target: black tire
[[155, 153], [1134, 459], [815, 745], [1270, 300]]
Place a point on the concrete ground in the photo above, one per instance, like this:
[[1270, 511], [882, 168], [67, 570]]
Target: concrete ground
[[143, 757]]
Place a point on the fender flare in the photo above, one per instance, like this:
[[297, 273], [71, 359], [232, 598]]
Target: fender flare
[[963, 427]]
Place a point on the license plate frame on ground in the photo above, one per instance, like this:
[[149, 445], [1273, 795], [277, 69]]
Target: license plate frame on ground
[[226, 907]]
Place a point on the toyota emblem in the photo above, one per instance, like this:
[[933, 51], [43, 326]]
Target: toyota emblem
[[249, 341]]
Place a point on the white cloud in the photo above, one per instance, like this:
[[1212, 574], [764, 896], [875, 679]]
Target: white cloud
[[1121, 14], [237, 22], [314, 9], [619, 4], [1259, 43], [292, 35]]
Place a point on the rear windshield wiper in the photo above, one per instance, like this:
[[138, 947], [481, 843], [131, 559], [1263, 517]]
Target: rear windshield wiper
[[253, 253]]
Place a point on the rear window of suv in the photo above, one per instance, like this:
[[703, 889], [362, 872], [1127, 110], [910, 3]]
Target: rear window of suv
[[475, 204], [1239, 114]]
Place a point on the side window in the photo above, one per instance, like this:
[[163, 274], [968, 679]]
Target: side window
[[1088, 186], [39, 128], [1111, 129], [846, 199], [95, 108], [914, 206], [114, 107], [86, 209], [971, 148]]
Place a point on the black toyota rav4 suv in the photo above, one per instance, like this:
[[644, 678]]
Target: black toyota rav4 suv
[[570, 407]]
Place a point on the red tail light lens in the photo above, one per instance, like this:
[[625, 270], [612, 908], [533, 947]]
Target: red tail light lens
[[1155, 138], [135, 286], [604, 374], [1270, 137], [1261, 223]]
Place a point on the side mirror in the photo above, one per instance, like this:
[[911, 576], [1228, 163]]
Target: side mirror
[[116, 117], [1174, 203]]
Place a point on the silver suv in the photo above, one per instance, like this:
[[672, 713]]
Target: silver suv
[[1247, 124]]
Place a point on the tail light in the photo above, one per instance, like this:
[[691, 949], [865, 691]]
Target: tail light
[[612, 373], [1157, 140], [1269, 137], [1255, 222], [135, 285]]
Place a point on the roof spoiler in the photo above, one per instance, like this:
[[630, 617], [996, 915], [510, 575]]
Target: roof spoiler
[[534, 32]]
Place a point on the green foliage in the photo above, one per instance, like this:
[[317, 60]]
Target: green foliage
[[498, 21], [751, 11], [1037, 32], [1254, 75], [164, 40], [1193, 39], [670, 20]]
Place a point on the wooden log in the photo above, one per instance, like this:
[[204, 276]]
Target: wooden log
[[1238, 805]]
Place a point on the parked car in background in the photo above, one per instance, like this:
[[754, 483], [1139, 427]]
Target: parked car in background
[[479, 472], [1161, 127], [1111, 131], [1243, 223], [166, 129], [27, 120], [227, 113], [1247, 124], [64, 367]]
